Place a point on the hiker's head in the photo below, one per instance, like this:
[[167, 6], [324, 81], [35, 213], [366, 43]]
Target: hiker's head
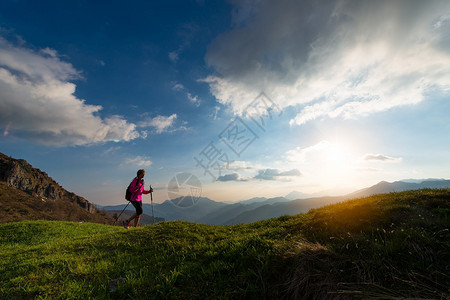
[[140, 173]]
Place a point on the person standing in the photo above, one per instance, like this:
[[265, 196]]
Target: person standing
[[137, 189]]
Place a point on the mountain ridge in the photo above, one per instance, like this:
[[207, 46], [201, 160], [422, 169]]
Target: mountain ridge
[[399, 186], [303, 205], [43, 195], [260, 208]]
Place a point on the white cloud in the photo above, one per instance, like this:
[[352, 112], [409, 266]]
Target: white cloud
[[381, 158], [193, 99], [50, 52], [177, 86], [332, 58], [139, 161], [240, 165], [160, 123], [301, 155], [443, 21], [37, 101], [144, 134], [215, 112]]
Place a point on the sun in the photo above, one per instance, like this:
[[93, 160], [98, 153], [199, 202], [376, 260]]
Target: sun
[[336, 154], [331, 163], [337, 164], [327, 164]]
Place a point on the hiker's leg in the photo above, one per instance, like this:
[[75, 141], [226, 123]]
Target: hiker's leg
[[139, 212], [138, 206], [136, 220], [132, 217]]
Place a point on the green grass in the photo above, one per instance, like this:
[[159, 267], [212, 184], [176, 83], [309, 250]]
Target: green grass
[[385, 246]]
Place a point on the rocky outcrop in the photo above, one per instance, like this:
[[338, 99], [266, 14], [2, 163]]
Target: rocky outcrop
[[18, 173]]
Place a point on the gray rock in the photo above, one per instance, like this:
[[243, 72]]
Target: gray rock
[[18, 173]]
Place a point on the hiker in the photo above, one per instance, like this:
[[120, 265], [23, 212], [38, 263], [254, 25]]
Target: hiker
[[137, 189]]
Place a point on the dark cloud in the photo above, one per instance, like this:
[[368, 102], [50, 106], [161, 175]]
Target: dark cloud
[[332, 58], [231, 177], [266, 174]]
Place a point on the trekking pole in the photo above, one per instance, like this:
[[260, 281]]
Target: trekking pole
[[151, 198], [121, 213]]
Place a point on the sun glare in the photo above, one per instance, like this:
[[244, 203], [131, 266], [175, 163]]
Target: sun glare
[[336, 162], [336, 154], [330, 162]]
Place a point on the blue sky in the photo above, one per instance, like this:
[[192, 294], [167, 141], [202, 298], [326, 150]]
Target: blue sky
[[350, 93]]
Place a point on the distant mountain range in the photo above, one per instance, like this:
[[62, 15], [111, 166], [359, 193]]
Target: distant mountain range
[[29, 193], [399, 186], [207, 211]]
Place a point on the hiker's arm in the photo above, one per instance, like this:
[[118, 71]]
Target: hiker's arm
[[148, 192]]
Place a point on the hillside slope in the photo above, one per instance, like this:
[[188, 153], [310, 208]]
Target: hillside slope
[[16, 205], [382, 247], [19, 174], [27, 193]]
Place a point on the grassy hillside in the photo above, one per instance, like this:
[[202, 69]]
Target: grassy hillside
[[385, 246], [16, 205]]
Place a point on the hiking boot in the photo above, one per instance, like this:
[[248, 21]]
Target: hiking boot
[[125, 224]]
